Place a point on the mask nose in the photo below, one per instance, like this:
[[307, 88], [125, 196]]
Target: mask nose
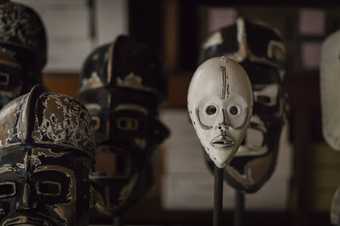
[[223, 120], [26, 202]]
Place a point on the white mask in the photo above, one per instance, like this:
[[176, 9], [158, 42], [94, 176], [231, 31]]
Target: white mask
[[220, 105], [330, 95]]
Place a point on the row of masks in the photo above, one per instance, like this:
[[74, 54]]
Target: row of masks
[[60, 157], [122, 88], [259, 48]]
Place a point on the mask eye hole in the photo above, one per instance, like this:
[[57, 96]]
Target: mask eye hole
[[264, 99], [7, 189], [234, 110], [48, 188], [4, 79], [211, 110], [128, 124]]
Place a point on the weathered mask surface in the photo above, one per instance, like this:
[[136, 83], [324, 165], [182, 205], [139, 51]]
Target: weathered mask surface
[[220, 106], [47, 152], [22, 50], [122, 87], [261, 51], [329, 84]]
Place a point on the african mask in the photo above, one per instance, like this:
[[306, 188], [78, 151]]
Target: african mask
[[220, 105], [122, 87], [22, 50], [330, 97], [259, 48], [47, 152]]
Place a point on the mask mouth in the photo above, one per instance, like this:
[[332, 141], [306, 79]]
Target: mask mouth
[[225, 142], [25, 221]]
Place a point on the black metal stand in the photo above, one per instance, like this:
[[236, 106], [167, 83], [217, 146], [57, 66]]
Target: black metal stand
[[239, 208], [116, 220], [218, 197]]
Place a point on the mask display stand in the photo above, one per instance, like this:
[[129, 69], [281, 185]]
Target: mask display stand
[[218, 196], [239, 208], [218, 201], [116, 219]]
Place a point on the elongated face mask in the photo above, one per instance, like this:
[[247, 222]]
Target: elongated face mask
[[329, 84], [220, 106], [260, 50]]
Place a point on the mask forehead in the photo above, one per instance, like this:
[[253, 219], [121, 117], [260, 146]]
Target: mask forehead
[[219, 77]]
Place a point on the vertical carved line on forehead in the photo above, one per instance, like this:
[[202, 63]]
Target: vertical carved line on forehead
[[225, 89], [228, 79], [224, 81]]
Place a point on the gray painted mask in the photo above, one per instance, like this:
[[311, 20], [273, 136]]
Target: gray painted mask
[[47, 152]]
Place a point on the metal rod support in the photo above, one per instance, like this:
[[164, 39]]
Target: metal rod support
[[218, 197], [239, 208]]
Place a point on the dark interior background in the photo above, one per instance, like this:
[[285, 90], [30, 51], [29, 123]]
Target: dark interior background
[[174, 29]]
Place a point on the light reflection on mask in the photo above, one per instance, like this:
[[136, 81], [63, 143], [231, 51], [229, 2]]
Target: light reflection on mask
[[220, 106]]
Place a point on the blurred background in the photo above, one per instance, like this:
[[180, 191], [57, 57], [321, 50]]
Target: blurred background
[[307, 174]]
